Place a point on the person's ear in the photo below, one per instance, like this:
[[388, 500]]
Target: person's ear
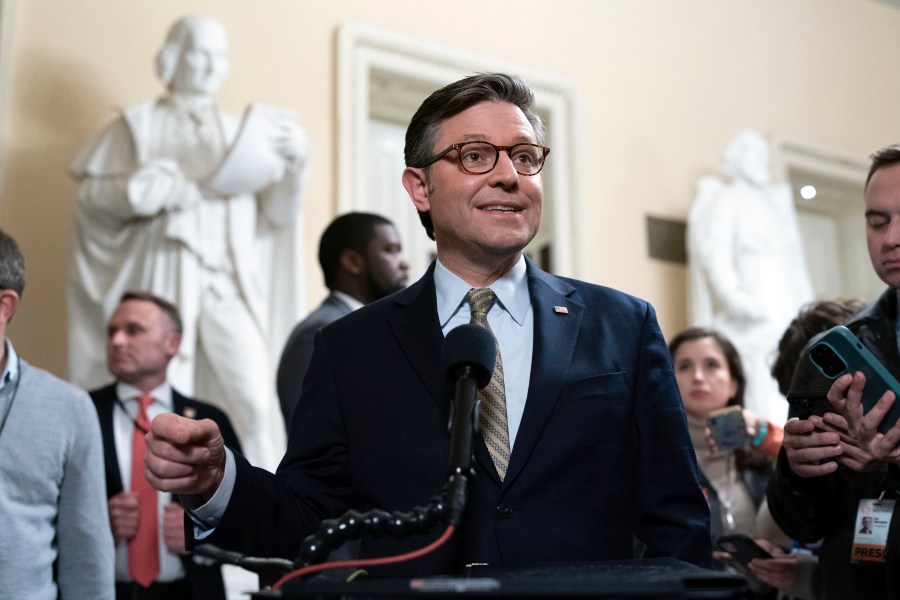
[[416, 184], [352, 262], [9, 304], [173, 343]]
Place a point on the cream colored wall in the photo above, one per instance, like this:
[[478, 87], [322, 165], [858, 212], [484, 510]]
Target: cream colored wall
[[663, 86]]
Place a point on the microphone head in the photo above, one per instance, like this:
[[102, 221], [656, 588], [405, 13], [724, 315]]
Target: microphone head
[[473, 346]]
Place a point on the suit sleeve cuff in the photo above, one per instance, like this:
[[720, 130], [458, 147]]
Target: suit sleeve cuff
[[206, 516]]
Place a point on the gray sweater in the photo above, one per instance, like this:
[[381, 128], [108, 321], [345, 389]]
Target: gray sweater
[[52, 494]]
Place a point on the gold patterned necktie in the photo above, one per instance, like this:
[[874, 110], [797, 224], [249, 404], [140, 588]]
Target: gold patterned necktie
[[492, 417]]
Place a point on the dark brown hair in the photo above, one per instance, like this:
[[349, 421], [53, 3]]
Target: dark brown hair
[[12, 265], [885, 157], [744, 458], [732, 358], [167, 307], [813, 318]]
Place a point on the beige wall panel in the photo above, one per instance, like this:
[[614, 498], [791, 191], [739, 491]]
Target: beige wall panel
[[663, 86]]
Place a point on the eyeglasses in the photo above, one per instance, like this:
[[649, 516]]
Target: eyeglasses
[[481, 157]]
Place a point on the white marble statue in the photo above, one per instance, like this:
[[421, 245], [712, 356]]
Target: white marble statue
[[200, 207], [747, 267]]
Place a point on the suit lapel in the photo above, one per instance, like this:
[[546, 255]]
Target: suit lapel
[[555, 333], [179, 405], [105, 401], [419, 335]]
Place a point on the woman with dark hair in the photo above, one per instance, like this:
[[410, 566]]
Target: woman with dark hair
[[710, 376]]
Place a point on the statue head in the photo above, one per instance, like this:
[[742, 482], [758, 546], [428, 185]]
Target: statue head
[[747, 158], [194, 59]]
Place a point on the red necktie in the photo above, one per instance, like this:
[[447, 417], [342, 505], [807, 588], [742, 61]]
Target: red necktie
[[143, 548]]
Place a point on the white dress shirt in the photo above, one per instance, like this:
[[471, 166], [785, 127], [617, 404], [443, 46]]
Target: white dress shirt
[[124, 419]]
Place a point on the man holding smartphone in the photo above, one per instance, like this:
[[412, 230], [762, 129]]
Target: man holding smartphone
[[831, 472]]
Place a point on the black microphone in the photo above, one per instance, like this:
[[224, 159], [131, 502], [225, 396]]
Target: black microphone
[[469, 353]]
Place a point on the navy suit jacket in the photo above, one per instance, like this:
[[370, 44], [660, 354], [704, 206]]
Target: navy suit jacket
[[602, 453], [205, 581]]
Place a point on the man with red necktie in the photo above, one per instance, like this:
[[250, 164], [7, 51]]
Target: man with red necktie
[[143, 335]]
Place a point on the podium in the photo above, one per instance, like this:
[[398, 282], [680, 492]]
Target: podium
[[662, 578]]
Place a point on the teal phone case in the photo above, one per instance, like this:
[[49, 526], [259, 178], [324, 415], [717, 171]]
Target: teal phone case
[[838, 351]]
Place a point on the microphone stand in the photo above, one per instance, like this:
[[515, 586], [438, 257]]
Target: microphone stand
[[446, 507], [470, 352]]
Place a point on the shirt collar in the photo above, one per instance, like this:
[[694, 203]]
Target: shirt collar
[[511, 291], [161, 395], [11, 371], [347, 299]]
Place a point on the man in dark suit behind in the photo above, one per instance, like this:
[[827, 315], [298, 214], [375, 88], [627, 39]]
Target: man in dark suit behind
[[589, 447], [143, 335], [362, 261]]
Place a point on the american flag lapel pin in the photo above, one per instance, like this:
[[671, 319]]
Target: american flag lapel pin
[[190, 412], [561, 310]]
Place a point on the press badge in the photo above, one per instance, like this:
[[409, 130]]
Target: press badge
[[870, 532]]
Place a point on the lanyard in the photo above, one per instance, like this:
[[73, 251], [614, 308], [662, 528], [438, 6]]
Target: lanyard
[[11, 399], [132, 419]]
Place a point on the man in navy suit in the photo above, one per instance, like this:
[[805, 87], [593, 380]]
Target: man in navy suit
[[143, 334], [589, 447], [362, 261]]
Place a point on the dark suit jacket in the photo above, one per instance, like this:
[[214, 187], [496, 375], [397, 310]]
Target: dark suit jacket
[[827, 508], [206, 581], [602, 453], [298, 351]]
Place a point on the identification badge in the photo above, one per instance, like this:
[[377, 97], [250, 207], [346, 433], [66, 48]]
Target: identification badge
[[873, 519]]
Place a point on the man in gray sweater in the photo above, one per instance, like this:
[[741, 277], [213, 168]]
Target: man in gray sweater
[[55, 540]]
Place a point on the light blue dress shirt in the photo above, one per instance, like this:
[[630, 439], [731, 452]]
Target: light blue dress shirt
[[511, 320]]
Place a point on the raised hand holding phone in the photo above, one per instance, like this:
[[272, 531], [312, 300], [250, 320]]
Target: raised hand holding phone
[[839, 355], [728, 428]]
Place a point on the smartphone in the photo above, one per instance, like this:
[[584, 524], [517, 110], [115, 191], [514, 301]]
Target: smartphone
[[807, 403], [838, 351], [728, 427], [742, 548]]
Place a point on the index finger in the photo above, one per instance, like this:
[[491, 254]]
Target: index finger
[[872, 419], [798, 426], [180, 431], [846, 394], [837, 393]]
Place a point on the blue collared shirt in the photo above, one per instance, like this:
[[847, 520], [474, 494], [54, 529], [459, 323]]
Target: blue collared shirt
[[9, 377], [512, 321]]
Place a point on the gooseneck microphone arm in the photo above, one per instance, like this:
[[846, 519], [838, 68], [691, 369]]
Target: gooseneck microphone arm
[[469, 352]]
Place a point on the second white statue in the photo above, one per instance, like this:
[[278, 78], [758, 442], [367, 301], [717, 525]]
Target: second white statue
[[747, 264]]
